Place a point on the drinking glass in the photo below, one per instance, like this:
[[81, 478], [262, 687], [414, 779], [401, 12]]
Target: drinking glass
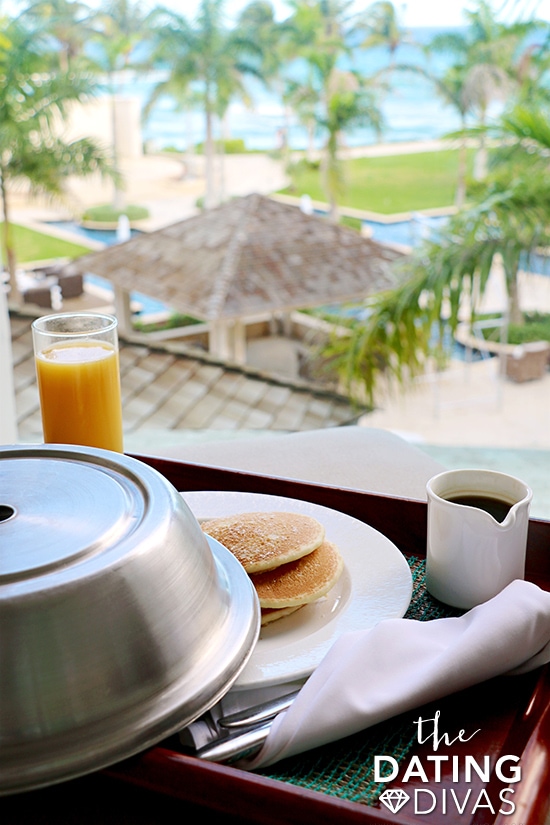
[[77, 367]]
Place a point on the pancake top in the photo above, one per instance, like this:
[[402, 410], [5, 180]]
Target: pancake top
[[301, 581], [262, 541]]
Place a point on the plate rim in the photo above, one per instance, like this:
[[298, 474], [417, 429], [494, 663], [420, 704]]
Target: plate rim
[[301, 673]]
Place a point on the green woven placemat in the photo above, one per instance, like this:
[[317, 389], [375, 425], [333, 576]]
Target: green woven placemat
[[345, 768]]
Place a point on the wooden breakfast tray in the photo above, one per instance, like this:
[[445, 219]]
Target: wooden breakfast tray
[[511, 713]]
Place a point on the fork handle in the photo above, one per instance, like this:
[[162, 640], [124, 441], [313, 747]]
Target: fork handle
[[258, 713], [236, 745]]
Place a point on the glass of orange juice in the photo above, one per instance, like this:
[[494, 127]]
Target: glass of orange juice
[[77, 367]]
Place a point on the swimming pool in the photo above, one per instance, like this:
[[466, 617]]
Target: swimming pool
[[407, 233], [423, 227], [108, 237], [105, 236], [147, 305]]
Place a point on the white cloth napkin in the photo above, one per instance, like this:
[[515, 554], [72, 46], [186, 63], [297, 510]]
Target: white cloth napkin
[[369, 676]]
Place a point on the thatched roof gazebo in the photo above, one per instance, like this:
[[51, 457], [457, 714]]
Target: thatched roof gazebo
[[252, 255]]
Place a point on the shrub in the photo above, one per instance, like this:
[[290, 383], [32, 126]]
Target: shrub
[[352, 223], [174, 321], [107, 214], [305, 165], [231, 146], [536, 327]]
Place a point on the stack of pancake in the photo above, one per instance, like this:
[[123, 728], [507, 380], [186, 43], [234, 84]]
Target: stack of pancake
[[286, 555]]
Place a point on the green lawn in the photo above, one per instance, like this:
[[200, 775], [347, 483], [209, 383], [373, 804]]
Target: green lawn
[[398, 183], [35, 246]]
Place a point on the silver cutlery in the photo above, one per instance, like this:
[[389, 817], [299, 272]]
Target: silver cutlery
[[258, 713], [243, 733], [233, 746]]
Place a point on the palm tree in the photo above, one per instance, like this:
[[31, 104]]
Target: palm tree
[[258, 22], [303, 99], [493, 60], [490, 63], [385, 28], [533, 64], [68, 22], [119, 27], [349, 103], [451, 88], [33, 104], [206, 55], [322, 34], [509, 222]]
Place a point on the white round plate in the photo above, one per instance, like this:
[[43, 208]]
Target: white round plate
[[376, 584]]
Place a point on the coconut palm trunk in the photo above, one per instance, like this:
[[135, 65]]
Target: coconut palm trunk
[[460, 197], [209, 156], [481, 157], [331, 174], [511, 271], [9, 252], [118, 195]]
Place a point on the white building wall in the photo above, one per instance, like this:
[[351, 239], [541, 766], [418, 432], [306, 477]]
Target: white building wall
[[94, 119]]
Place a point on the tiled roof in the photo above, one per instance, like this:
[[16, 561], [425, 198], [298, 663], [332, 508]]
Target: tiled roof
[[253, 254], [166, 391]]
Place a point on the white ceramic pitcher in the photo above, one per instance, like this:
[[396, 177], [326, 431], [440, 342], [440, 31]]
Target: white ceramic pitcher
[[471, 554]]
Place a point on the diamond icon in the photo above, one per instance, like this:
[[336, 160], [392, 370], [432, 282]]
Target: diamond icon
[[394, 799]]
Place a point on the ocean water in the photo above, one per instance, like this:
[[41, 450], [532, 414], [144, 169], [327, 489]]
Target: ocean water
[[411, 107]]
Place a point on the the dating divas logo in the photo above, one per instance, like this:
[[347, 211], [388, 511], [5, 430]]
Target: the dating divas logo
[[458, 769]]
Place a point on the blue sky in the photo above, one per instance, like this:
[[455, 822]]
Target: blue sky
[[413, 12]]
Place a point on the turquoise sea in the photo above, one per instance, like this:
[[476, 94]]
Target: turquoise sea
[[411, 107]]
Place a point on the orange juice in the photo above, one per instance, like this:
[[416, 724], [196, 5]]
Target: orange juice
[[79, 389]]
